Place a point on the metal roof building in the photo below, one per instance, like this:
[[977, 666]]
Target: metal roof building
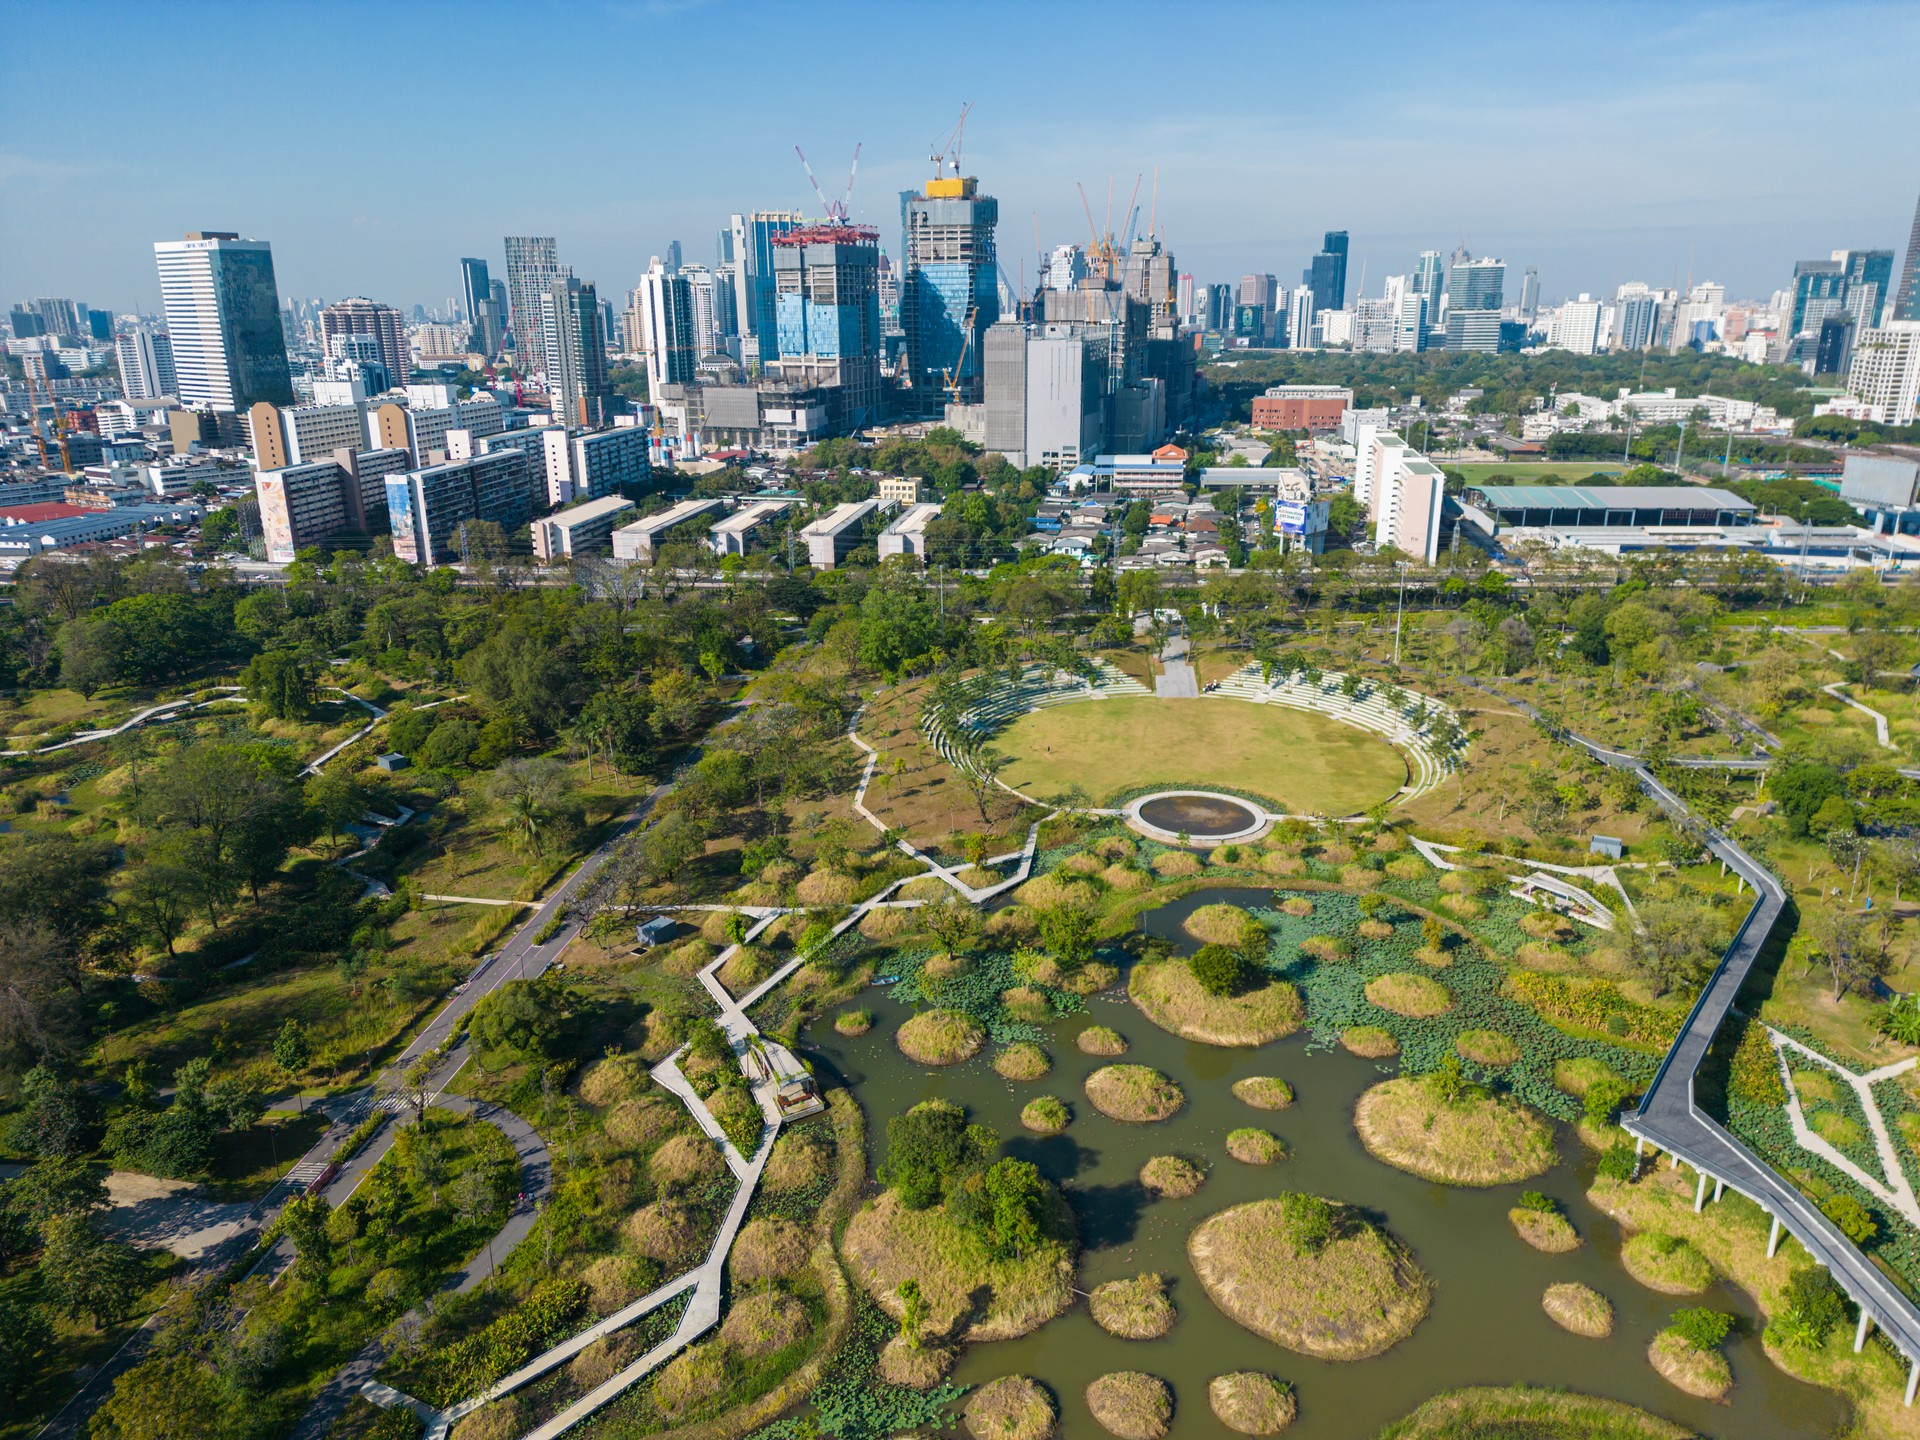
[[1622, 506]]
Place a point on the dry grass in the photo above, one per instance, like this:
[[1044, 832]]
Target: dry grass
[[1100, 1040], [797, 1162], [1579, 1310], [1045, 1115], [504, 1420], [635, 1123], [885, 1243], [690, 1379], [1022, 1060], [1666, 1263], [1579, 1075], [601, 1361], [940, 1037], [827, 887], [1131, 1405], [1024, 1002], [853, 1022], [1486, 1047], [1263, 1092], [1249, 1403], [886, 922], [1701, 1373], [917, 1367], [1136, 1309], [745, 968], [1046, 891], [1516, 1412], [1010, 1408], [1418, 997], [1369, 1042], [1354, 1297], [1219, 924], [1545, 1230], [1171, 1177], [1251, 1145], [1127, 878], [664, 1231], [1138, 1094], [1278, 862], [609, 1283], [1169, 996], [767, 1249], [1176, 865], [616, 1078], [685, 1160], [765, 1323], [1477, 1139]]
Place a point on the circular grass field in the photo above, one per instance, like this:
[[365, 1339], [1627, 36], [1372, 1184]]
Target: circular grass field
[[1299, 761]]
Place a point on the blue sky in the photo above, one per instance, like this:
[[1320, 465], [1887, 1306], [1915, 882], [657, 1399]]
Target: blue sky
[[375, 144]]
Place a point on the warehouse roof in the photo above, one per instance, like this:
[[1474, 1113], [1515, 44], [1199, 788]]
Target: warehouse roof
[[1610, 497]]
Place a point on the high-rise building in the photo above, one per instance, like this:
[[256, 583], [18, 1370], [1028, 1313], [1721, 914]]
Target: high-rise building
[[827, 316], [577, 380], [1530, 295], [532, 263], [1636, 323], [1475, 290], [1410, 331], [1148, 274], [145, 358], [1835, 347], [1429, 280], [357, 315], [1576, 326], [1327, 275], [951, 293], [223, 317], [753, 235], [1405, 495], [427, 508], [1186, 299], [1906, 299], [483, 311], [1300, 319], [673, 256], [1219, 306], [666, 329], [1046, 391], [1884, 372]]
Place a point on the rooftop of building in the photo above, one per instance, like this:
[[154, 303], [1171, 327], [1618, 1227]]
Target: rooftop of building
[[41, 513], [841, 516], [1610, 497], [915, 520], [592, 510], [671, 516], [748, 516]]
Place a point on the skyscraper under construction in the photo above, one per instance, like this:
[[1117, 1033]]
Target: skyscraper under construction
[[951, 292]]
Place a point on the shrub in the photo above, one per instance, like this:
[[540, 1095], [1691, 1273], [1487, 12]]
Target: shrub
[[1701, 1328], [1534, 1200], [1220, 971], [1812, 1307], [1851, 1216], [1603, 1098], [1619, 1162]]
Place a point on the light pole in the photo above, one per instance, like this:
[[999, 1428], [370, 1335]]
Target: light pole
[[1399, 611]]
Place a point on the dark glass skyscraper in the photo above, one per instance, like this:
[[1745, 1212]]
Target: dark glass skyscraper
[[483, 312], [952, 288], [223, 314], [1327, 275], [1906, 301]]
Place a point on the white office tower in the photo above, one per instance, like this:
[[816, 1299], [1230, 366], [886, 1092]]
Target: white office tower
[[1066, 268], [145, 359], [1410, 331], [667, 329], [1884, 375], [1300, 319], [223, 317], [1576, 326]]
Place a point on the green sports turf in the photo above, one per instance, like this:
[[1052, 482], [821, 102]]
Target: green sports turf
[[1303, 762]]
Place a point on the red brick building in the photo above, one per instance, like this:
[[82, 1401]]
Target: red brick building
[[1301, 407]]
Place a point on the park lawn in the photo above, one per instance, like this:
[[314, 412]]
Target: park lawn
[[248, 1163], [915, 791], [1303, 762], [1529, 472], [353, 1026]]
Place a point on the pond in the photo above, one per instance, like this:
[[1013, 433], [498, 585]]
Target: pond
[[1486, 1326], [1198, 815]]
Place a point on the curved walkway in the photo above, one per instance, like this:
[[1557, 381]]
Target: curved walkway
[[1669, 1118]]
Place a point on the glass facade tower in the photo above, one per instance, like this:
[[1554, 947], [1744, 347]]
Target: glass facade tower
[[951, 293]]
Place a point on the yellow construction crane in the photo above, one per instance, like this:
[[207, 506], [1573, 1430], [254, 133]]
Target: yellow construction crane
[[951, 378]]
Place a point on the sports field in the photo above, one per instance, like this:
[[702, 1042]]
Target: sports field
[[1528, 472], [1299, 761]]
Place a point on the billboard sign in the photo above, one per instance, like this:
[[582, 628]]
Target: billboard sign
[[1883, 481]]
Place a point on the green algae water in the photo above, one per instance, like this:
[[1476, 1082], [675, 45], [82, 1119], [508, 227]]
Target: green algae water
[[1486, 1326]]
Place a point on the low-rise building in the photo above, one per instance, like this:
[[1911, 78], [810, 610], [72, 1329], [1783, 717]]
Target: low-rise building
[[835, 535], [901, 489], [1301, 407], [642, 539], [582, 530], [31, 537], [731, 535], [908, 534]]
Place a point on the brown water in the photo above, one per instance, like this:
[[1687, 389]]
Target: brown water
[[1486, 1326]]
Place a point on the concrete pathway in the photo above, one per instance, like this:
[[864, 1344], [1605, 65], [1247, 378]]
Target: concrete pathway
[[1839, 692], [1177, 680], [1894, 1190], [167, 710]]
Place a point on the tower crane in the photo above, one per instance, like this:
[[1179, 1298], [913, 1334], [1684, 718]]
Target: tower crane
[[938, 156], [835, 210]]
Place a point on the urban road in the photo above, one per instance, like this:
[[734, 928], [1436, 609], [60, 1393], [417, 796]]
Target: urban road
[[524, 956], [1669, 1119]]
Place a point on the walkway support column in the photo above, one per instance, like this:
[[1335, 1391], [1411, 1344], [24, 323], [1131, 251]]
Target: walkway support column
[[1773, 1237], [1913, 1381], [1639, 1146], [1700, 1193], [1719, 1185], [1860, 1333]]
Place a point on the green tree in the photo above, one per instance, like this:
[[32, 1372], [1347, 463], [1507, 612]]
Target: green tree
[[953, 922], [24, 1337], [39, 992], [303, 1220], [58, 1185], [1068, 932], [83, 1273], [1220, 971], [931, 1146], [292, 1050], [282, 683], [913, 1316], [56, 1115], [172, 1396], [531, 796], [1015, 1198], [336, 799], [520, 1021], [160, 898]]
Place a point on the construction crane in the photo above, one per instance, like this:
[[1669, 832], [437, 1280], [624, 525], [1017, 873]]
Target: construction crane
[[937, 156], [836, 210], [951, 378]]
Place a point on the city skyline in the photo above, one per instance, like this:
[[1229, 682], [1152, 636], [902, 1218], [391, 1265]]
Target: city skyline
[[1624, 173]]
